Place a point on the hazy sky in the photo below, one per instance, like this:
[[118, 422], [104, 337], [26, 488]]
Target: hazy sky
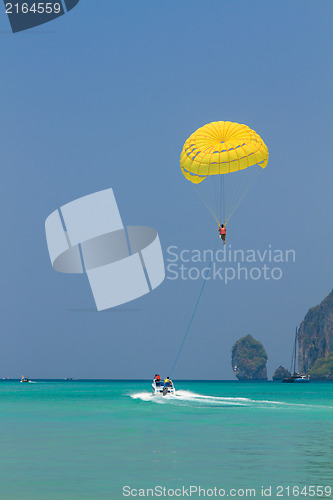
[[105, 96]]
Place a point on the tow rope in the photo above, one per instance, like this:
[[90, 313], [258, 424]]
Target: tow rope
[[195, 308]]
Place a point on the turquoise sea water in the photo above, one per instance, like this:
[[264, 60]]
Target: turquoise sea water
[[89, 439]]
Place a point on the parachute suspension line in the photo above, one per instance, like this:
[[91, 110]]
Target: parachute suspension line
[[243, 196], [224, 215], [215, 195], [194, 310], [207, 206]]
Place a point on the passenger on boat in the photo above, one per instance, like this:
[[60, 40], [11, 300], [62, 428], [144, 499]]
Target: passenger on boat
[[167, 382], [157, 380]]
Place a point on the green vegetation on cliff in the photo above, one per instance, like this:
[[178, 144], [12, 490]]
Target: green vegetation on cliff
[[249, 359], [322, 369]]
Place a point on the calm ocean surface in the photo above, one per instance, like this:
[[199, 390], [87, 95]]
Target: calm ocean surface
[[88, 439]]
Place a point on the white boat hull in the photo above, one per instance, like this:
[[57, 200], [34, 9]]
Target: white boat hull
[[162, 390]]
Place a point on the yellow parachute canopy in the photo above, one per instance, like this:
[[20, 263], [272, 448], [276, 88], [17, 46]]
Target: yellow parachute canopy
[[221, 148]]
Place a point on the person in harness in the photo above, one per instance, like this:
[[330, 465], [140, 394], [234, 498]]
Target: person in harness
[[157, 380], [223, 232]]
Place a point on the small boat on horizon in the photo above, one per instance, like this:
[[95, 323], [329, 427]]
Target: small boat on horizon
[[295, 377], [161, 388], [24, 379]]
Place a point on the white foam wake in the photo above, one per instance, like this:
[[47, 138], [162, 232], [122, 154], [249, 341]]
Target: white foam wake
[[183, 396], [189, 398]]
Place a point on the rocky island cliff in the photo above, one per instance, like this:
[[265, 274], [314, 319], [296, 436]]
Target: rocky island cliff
[[315, 341], [249, 359], [281, 373]]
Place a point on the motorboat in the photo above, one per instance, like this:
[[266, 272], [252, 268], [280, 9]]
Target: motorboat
[[24, 379], [302, 378], [296, 378], [161, 388]]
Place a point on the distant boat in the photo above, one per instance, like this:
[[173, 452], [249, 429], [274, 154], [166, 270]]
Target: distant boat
[[24, 379], [295, 377]]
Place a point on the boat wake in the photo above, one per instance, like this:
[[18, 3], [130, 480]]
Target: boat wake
[[189, 398]]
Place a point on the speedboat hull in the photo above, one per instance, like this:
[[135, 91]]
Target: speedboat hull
[[162, 390]]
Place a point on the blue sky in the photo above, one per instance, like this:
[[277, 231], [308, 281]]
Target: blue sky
[[105, 96]]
